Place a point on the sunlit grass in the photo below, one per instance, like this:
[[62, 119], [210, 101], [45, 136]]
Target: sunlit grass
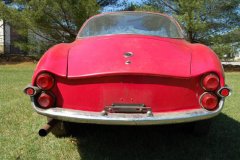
[[20, 124], [232, 105]]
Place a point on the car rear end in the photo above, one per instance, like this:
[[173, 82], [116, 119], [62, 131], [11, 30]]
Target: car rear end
[[128, 99]]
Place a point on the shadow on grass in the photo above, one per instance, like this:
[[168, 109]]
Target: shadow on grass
[[158, 142]]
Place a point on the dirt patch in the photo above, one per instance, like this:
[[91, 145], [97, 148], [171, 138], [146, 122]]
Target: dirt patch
[[13, 59], [231, 68]]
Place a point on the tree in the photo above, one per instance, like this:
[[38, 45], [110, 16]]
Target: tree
[[227, 44], [201, 19], [104, 3], [46, 23], [142, 7], [7, 1]]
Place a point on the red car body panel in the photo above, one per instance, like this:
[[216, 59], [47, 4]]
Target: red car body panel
[[162, 94], [55, 61], [151, 56], [204, 60]]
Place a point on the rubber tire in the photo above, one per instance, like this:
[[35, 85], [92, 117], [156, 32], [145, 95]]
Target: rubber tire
[[61, 130], [200, 128]]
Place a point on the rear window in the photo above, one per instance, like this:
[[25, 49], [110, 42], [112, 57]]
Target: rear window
[[137, 23]]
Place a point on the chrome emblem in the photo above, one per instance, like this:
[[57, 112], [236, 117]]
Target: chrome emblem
[[128, 62], [128, 54]]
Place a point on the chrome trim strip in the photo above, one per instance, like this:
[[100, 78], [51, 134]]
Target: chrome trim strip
[[127, 119]]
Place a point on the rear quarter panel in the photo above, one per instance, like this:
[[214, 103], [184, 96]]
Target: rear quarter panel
[[204, 60], [54, 61]]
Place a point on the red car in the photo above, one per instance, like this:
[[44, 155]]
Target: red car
[[129, 68]]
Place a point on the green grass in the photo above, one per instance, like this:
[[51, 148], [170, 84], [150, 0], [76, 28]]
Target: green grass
[[20, 124]]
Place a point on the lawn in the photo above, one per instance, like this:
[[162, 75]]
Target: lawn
[[20, 125]]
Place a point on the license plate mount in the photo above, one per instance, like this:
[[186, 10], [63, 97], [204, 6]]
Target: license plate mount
[[127, 108]]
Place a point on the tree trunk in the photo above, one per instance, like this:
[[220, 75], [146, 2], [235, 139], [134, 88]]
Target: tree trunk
[[190, 36]]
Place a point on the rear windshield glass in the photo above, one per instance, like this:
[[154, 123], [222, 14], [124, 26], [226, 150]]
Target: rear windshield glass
[[137, 23]]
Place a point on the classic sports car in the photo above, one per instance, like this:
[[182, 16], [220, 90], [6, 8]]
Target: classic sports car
[[129, 68]]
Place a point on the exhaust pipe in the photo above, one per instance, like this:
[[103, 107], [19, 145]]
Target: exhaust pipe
[[48, 127]]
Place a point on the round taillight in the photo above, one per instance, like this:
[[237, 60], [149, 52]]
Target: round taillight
[[208, 100], [45, 81], [210, 82], [30, 91], [224, 92], [46, 99]]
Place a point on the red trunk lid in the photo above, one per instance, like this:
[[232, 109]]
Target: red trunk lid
[[151, 56]]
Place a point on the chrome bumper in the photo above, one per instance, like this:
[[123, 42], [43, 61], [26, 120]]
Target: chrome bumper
[[127, 119]]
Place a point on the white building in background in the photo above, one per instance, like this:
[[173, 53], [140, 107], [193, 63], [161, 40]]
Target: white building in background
[[8, 36], [237, 55], [1, 36], [4, 37]]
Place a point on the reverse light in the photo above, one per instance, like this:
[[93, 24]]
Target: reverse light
[[224, 92], [30, 91], [45, 81], [46, 99], [208, 100], [210, 81]]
